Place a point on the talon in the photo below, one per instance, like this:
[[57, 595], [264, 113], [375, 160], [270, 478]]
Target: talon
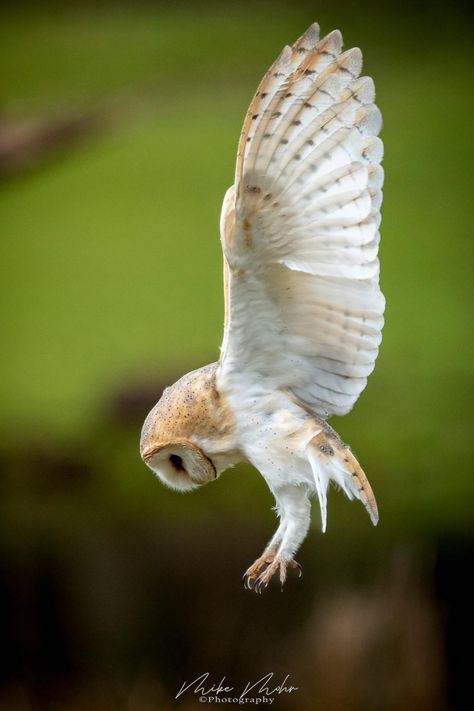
[[259, 582], [261, 572], [295, 564], [258, 568]]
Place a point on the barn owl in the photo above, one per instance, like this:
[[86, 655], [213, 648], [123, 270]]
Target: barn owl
[[303, 307]]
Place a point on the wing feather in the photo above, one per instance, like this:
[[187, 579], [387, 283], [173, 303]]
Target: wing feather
[[300, 229]]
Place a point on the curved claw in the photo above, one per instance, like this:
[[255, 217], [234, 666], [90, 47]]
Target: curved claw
[[295, 564], [259, 582], [251, 582]]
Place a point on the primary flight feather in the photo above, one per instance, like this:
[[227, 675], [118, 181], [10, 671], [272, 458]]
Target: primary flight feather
[[304, 311]]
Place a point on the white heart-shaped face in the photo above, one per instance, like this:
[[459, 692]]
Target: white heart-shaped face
[[180, 465]]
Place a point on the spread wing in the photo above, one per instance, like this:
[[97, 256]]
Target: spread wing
[[300, 229]]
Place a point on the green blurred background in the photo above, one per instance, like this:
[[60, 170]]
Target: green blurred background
[[118, 131]]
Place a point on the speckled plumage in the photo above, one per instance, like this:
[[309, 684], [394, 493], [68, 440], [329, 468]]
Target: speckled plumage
[[303, 307], [192, 407]]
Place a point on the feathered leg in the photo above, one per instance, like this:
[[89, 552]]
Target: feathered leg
[[293, 507], [268, 555]]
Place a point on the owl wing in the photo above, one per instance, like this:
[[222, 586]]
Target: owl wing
[[300, 229]]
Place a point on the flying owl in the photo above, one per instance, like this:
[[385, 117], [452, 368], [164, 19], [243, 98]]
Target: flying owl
[[303, 307]]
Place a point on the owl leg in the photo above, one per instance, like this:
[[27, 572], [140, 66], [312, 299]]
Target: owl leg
[[294, 509], [268, 554]]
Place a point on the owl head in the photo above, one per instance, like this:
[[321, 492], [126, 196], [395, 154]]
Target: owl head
[[185, 434]]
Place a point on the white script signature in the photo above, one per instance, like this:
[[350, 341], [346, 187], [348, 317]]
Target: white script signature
[[265, 685]]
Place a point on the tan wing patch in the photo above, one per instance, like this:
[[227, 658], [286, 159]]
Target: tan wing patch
[[329, 446]]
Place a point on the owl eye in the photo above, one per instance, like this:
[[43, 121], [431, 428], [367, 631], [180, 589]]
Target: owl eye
[[177, 462]]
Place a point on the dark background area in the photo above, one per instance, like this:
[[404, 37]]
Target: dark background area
[[118, 131]]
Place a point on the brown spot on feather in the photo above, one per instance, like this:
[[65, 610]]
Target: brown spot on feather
[[248, 241]]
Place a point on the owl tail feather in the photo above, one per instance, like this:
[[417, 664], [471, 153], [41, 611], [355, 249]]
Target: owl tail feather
[[332, 460]]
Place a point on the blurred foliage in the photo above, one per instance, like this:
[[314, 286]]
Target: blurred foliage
[[111, 259], [111, 288]]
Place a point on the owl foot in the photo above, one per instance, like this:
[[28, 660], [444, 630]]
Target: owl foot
[[258, 582], [251, 575]]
